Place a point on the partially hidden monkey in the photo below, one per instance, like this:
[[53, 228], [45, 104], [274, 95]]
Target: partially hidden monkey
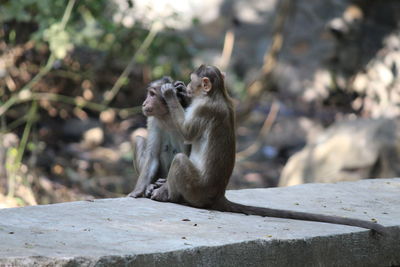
[[208, 125], [153, 156]]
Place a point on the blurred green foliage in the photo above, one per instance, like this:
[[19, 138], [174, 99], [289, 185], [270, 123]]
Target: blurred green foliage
[[91, 26], [60, 59]]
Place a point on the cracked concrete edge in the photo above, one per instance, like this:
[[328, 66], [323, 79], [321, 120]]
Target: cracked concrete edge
[[361, 248]]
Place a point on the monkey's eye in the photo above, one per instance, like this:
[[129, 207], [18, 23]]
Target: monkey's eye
[[151, 93]]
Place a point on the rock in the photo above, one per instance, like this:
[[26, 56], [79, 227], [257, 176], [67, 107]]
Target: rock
[[142, 232], [347, 151]]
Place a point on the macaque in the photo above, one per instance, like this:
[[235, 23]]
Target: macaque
[[208, 125], [153, 157]]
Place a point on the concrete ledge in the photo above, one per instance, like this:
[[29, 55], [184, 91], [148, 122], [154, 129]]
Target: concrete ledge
[[141, 232]]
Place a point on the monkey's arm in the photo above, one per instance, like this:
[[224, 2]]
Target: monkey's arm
[[189, 127], [151, 163]]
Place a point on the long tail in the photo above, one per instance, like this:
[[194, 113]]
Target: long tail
[[226, 205]]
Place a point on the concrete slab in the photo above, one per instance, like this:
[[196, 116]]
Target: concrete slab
[[141, 232]]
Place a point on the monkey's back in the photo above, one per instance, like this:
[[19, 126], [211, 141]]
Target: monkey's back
[[220, 147]]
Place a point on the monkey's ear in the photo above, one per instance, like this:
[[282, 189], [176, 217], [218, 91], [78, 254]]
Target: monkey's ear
[[223, 75], [207, 85]]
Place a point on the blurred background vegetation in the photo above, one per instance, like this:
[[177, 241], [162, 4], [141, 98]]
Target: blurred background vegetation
[[316, 87]]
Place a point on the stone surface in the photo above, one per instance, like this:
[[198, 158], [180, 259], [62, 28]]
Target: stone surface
[[141, 232]]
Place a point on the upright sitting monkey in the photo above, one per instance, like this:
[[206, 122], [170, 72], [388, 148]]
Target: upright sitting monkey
[[153, 157], [208, 125]]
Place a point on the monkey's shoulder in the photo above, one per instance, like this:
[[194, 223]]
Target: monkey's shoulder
[[207, 109], [162, 126]]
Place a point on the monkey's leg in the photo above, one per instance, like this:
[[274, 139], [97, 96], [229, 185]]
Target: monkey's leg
[[183, 181], [139, 154], [139, 158]]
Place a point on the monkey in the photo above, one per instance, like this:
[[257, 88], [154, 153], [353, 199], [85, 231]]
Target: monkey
[[153, 156], [208, 124]]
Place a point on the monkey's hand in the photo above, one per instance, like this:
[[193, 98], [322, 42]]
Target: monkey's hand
[[180, 87], [182, 94], [167, 90]]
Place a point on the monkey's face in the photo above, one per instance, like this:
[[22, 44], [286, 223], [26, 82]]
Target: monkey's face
[[154, 105], [194, 88]]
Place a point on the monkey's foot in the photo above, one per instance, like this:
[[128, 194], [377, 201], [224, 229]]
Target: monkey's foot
[[160, 194], [151, 187], [138, 192], [149, 190]]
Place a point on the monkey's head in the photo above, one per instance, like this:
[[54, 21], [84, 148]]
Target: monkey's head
[[206, 80], [155, 105]]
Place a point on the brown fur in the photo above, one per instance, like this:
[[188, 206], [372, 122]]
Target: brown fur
[[153, 156], [208, 125]]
